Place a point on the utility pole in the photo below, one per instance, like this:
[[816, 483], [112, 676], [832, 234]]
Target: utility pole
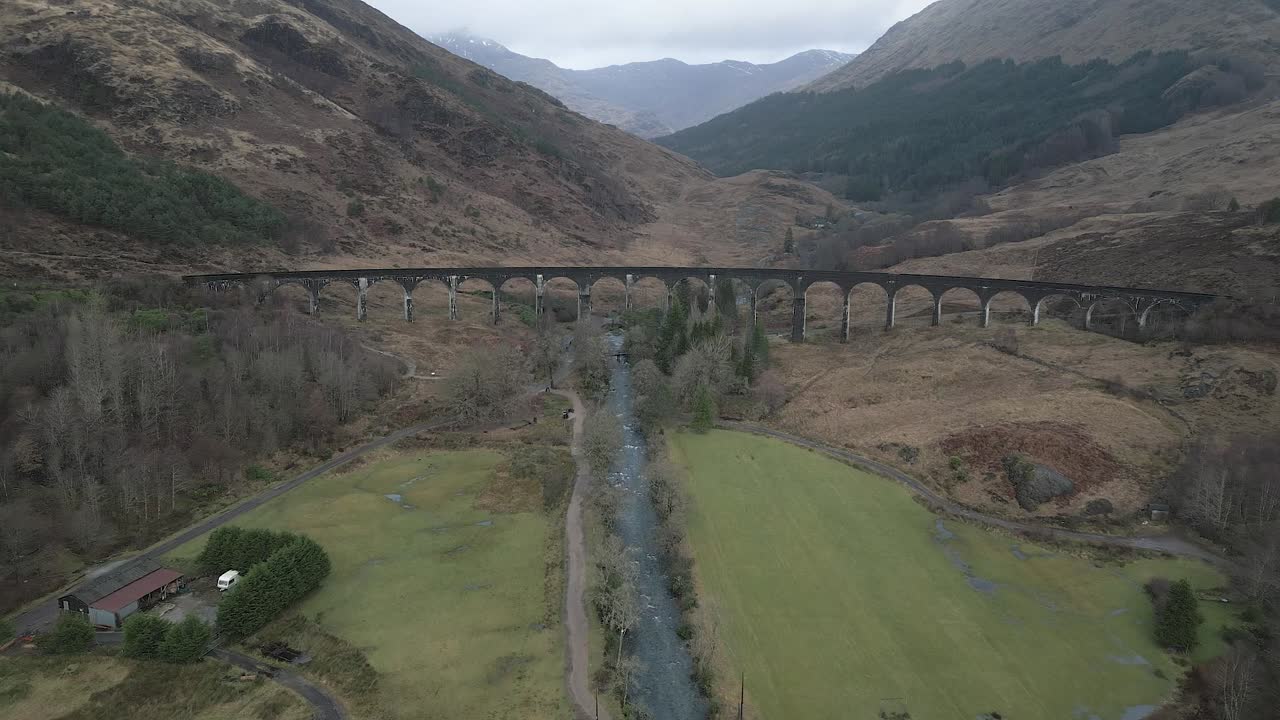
[[742, 698]]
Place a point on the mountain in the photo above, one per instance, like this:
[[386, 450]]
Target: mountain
[[323, 126], [1078, 30], [650, 98]]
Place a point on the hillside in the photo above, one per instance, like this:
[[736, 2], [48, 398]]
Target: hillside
[[650, 98], [373, 144], [921, 131], [1078, 30]]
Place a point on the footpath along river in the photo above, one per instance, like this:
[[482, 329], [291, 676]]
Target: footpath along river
[[663, 684]]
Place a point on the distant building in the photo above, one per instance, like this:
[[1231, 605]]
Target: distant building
[[111, 597]]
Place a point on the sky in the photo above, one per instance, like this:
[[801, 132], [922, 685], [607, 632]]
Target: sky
[[583, 34]]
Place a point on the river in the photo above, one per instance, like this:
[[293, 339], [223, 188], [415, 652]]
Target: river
[[663, 684]]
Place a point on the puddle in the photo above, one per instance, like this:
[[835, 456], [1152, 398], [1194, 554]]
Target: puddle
[[944, 536], [1118, 611], [1082, 712], [394, 497], [476, 586], [457, 550], [485, 523], [1137, 712], [1134, 659]]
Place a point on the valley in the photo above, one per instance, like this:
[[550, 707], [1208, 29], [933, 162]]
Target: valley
[[1021, 462]]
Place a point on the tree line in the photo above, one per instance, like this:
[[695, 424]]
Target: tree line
[[294, 566], [921, 131], [122, 412], [1229, 490], [55, 161]]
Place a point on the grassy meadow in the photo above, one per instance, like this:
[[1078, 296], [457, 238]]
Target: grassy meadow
[[101, 687], [839, 596], [443, 576]]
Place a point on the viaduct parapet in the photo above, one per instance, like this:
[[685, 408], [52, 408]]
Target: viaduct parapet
[[1140, 301]]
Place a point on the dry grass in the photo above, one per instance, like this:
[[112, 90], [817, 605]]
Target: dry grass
[[927, 388]]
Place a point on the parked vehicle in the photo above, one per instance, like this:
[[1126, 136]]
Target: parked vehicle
[[228, 579]]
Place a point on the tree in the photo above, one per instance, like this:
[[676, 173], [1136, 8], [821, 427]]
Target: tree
[[601, 441], [7, 630], [143, 635], [1235, 681], [789, 244], [186, 642], [590, 363], [760, 344], [704, 411], [486, 381], [546, 355], [72, 634], [1234, 205], [1179, 620], [654, 400]]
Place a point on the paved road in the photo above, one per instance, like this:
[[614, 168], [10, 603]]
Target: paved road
[[577, 647], [1170, 544], [325, 706], [42, 616]]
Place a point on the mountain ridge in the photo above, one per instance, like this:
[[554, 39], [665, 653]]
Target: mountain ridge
[[649, 98], [973, 31]]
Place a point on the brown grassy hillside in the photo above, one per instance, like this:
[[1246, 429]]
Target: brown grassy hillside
[[314, 104], [1078, 30]]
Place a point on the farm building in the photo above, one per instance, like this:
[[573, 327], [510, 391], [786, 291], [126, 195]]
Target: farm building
[[114, 596]]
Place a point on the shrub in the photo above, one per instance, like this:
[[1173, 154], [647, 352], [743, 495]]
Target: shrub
[[186, 642], [72, 634], [1101, 506], [143, 636], [355, 208]]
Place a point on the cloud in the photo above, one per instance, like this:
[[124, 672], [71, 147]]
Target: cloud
[[579, 34]]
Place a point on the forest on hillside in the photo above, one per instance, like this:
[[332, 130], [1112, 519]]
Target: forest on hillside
[[922, 131], [126, 412], [56, 161]]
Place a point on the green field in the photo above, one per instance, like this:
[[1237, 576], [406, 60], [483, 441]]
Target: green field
[[443, 587], [835, 590]]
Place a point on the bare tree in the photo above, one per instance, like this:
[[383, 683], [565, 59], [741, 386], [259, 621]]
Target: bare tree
[[485, 382], [546, 355], [1236, 681], [601, 441]]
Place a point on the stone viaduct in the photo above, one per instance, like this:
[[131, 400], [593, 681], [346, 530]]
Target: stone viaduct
[[1140, 302]]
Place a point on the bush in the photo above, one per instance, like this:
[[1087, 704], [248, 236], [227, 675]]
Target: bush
[[72, 634], [1101, 506], [186, 642], [143, 636], [355, 208]]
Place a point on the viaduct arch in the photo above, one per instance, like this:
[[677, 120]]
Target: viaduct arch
[[1140, 301]]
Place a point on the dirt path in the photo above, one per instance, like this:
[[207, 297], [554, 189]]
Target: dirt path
[[1170, 544], [577, 647], [325, 706]]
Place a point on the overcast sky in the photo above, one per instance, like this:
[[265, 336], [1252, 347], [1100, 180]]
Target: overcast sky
[[593, 33]]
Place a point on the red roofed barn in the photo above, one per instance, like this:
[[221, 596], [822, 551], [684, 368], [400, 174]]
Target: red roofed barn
[[114, 596]]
